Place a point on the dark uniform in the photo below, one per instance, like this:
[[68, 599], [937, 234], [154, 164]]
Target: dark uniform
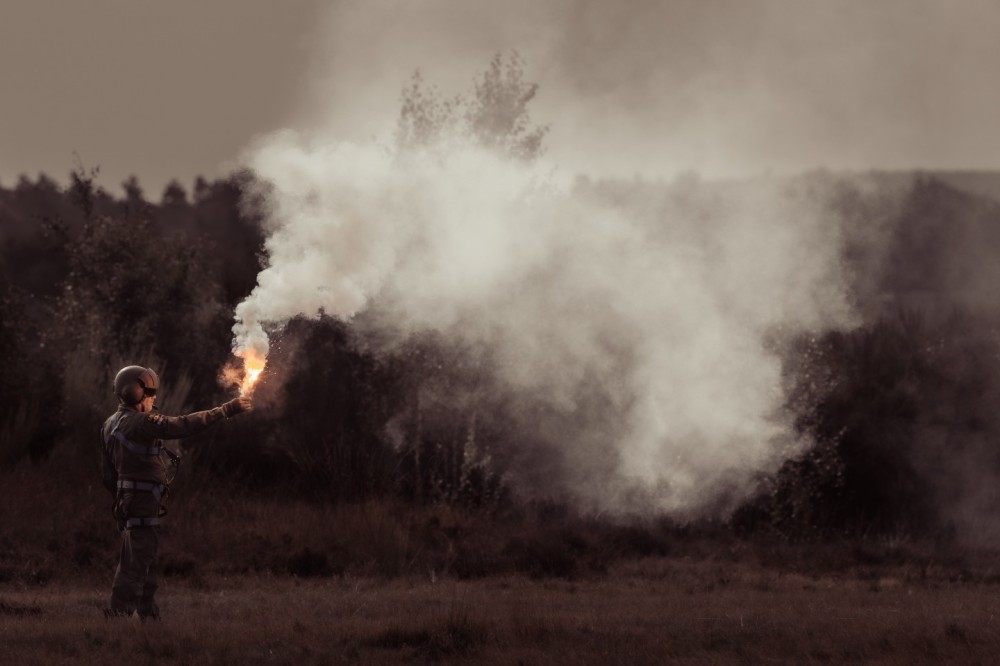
[[136, 466]]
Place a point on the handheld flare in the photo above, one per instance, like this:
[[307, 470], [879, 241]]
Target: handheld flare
[[253, 365]]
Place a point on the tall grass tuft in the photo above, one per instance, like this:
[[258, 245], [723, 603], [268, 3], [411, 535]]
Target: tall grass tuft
[[16, 431], [459, 634]]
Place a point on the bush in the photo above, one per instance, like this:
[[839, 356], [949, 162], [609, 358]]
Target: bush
[[900, 412]]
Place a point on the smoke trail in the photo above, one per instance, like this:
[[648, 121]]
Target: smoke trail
[[660, 304]]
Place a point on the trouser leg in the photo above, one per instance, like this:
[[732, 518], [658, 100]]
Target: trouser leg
[[135, 578], [147, 605]]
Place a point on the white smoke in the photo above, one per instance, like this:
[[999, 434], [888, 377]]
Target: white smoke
[[663, 300]]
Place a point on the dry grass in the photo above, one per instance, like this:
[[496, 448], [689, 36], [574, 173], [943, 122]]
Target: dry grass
[[650, 612], [255, 581]]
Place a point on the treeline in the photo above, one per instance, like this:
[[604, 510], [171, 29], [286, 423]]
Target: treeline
[[91, 280], [900, 410]]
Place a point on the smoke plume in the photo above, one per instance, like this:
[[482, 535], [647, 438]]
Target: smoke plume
[[665, 307]]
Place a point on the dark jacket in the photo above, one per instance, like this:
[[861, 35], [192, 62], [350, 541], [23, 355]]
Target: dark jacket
[[145, 432]]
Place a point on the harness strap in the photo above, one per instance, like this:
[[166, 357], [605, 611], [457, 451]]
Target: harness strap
[[175, 459], [145, 486], [137, 448], [141, 522]]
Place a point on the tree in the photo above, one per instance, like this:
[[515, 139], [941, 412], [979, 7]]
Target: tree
[[174, 195], [424, 115], [902, 414], [495, 115]]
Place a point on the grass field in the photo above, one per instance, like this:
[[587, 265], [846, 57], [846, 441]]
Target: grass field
[[648, 611], [252, 580]]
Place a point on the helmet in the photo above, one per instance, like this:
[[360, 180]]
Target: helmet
[[134, 382]]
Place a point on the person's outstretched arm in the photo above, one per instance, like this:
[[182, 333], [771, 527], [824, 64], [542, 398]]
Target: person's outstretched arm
[[159, 426]]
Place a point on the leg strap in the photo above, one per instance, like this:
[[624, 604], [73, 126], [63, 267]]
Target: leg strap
[[141, 522], [146, 486]]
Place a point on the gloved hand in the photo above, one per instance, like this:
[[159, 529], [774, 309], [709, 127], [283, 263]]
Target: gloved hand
[[237, 406]]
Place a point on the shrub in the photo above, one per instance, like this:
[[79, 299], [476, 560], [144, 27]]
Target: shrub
[[899, 412]]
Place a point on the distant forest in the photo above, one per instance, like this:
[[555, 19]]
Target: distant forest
[[902, 410]]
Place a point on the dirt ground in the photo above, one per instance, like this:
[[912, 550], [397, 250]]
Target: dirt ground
[[651, 611]]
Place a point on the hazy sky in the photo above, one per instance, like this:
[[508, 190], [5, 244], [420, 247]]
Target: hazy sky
[[643, 86]]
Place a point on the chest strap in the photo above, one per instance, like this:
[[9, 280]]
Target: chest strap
[[137, 448], [144, 486], [141, 522]]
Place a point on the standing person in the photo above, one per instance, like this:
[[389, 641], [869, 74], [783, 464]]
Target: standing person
[[135, 468]]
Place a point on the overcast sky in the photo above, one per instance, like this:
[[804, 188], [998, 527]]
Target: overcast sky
[[652, 87]]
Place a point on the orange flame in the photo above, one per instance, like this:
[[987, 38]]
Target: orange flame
[[253, 365]]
